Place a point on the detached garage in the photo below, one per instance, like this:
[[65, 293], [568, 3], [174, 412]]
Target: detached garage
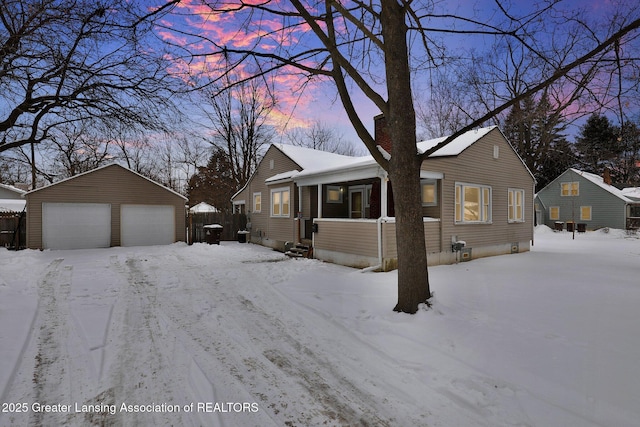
[[108, 206]]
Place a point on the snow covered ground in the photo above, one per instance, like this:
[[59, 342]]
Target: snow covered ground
[[237, 335]]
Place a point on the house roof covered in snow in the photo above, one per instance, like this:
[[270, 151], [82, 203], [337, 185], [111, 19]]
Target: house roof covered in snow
[[599, 181], [203, 207], [458, 145], [12, 205], [12, 189], [632, 192], [315, 163]]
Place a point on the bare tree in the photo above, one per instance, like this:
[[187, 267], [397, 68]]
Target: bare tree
[[320, 136], [346, 43], [72, 149], [237, 114], [64, 62]]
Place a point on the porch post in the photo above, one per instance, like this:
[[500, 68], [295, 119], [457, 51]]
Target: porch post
[[383, 195], [319, 200]]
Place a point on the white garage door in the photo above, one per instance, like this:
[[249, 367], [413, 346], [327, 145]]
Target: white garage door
[[76, 225], [145, 225]]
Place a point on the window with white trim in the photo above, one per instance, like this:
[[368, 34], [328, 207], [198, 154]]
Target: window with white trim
[[585, 213], [472, 203], [554, 213], [570, 189], [516, 205], [257, 202], [429, 193], [280, 202]]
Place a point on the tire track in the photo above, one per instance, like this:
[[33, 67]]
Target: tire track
[[52, 359], [295, 373]]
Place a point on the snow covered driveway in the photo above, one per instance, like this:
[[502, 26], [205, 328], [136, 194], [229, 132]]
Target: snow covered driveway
[[237, 335]]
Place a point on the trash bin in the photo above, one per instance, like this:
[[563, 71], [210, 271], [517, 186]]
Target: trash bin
[[570, 226], [559, 226], [212, 233], [582, 227], [242, 236]]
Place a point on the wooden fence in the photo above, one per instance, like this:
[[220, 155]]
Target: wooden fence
[[231, 224], [13, 230]]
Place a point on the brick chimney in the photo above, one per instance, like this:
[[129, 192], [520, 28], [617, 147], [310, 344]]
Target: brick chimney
[[606, 176], [381, 135]]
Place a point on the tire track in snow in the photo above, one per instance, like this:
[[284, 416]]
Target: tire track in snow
[[301, 382], [138, 373], [52, 329]]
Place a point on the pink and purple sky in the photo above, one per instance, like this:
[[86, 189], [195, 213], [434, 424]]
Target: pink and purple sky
[[300, 102]]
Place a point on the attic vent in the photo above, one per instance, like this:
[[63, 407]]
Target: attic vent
[[271, 164], [496, 151]]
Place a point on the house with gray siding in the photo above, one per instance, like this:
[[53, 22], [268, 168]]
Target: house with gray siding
[[475, 190], [578, 197]]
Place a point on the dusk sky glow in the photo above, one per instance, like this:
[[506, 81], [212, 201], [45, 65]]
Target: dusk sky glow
[[193, 27]]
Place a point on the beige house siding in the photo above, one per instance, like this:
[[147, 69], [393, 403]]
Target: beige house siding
[[477, 165], [431, 234], [265, 229], [112, 184], [358, 237]]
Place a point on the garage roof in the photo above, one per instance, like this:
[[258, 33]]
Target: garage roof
[[104, 167]]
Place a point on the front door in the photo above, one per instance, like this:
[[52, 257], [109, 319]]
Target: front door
[[356, 203]]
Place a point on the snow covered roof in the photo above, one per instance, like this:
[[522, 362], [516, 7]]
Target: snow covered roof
[[316, 163], [12, 189], [12, 205], [311, 159], [202, 207], [599, 181], [631, 192], [456, 146]]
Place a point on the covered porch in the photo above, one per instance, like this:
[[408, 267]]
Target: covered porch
[[348, 216]]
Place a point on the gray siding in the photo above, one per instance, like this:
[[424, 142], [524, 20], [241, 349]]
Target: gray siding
[[607, 210], [111, 184]]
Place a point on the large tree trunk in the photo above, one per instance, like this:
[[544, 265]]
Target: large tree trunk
[[404, 166]]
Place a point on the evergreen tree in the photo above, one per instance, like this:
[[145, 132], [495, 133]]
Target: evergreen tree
[[535, 131], [625, 169], [214, 183], [597, 144], [560, 157]]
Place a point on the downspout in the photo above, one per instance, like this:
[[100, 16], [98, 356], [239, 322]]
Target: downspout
[[299, 215], [379, 265], [383, 214]]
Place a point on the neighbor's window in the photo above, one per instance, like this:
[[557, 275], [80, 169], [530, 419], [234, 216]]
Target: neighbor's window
[[429, 193], [257, 202], [570, 189], [280, 202], [334, 194], [473, 203], [516, 205], [585, 213], [554, 213]]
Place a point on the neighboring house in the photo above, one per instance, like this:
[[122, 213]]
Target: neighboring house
[[108, 206], [475, 190], [12, 206], [11, 199], [578, 197], [203, 207], [10, 192]]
